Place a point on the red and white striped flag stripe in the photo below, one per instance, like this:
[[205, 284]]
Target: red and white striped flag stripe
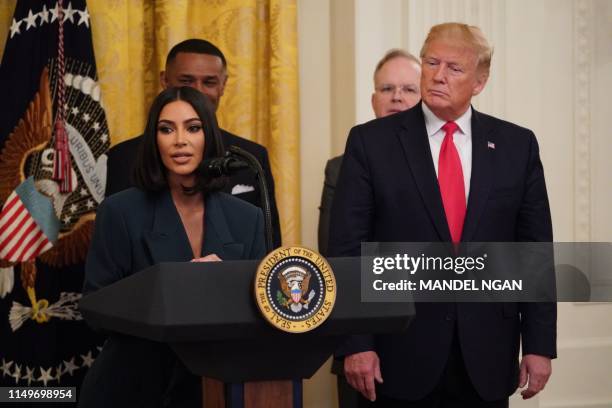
[[21, 239]]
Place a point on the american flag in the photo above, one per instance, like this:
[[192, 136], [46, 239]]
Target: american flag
[[42, 336], [28, 224]]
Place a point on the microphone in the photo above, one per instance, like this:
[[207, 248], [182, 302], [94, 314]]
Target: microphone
[[223, 166]]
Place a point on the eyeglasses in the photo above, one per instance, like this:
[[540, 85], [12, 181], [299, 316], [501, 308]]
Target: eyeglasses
[[388, 89]]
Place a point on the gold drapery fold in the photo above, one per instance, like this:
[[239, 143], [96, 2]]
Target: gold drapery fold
[[259, 39]]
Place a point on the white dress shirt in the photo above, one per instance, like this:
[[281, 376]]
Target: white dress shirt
[[462, 139]]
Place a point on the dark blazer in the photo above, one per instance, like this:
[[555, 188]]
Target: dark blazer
[[135, 230], [388, 192], [332, 170], [121, 161]]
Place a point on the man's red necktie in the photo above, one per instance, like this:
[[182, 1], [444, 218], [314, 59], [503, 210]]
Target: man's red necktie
[[450, 178]]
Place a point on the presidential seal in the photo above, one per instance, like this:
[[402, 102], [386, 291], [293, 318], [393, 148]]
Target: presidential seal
[[295, 289]]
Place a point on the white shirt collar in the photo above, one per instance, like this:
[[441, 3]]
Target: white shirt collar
[[433, 123]]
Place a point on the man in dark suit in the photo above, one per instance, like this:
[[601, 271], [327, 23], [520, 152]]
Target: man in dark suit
[[397, 80], [396, 88], [200, 65], [442, 171]]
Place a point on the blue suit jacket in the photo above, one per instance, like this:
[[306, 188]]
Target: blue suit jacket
[[388, 192], [135, 230], [121, 162]]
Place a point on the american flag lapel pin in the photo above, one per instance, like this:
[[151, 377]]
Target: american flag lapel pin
[[491, 145]]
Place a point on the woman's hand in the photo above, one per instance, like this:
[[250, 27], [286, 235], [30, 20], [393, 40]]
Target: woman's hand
[[207, 258]]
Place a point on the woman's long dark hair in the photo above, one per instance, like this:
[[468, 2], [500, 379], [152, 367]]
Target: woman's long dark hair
[[150, 172]]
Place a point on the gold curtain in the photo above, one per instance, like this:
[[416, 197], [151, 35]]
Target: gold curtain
[[259, 39]]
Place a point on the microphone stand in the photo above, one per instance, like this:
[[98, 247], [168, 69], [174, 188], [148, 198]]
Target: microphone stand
[[264, 196], [264, 193]]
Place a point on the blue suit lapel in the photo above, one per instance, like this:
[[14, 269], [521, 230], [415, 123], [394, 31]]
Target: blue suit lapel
[[218, 238], [482, 174], [167, 241], [418, 155]]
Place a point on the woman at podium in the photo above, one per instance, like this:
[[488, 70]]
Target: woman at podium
[[176, 213]]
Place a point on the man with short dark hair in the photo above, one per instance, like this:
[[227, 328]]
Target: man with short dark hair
[[443, 172], [201, 65]]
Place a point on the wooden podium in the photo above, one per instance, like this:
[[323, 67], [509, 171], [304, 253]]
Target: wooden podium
[[207, 315]]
